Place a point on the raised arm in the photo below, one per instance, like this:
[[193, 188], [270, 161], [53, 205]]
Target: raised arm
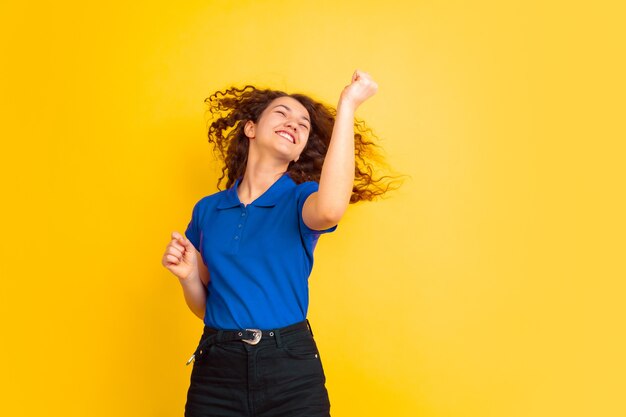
[[324, 208]]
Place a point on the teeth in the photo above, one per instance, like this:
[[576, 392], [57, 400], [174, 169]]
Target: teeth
[[287, 136]]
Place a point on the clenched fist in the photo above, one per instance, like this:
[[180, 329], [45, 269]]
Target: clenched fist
[[180, 257], [361, 87]]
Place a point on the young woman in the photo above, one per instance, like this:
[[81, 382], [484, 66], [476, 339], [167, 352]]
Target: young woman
[[247, 253]]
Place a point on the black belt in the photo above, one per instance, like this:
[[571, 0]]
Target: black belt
[[250, 336]]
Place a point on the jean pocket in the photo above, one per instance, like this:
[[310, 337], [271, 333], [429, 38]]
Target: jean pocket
[[304, 348]]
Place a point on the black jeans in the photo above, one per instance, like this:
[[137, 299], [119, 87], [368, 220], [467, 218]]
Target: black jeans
[[280, 376]]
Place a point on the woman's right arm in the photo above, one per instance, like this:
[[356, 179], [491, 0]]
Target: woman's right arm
[[185, 262]]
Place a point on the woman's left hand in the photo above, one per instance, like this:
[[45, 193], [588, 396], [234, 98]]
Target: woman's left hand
[[360, 89]]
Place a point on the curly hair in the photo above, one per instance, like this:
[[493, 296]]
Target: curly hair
[[232, 108]]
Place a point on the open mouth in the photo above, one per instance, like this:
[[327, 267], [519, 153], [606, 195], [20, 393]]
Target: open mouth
[[287, 136]]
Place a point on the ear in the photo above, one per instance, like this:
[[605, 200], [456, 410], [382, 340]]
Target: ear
[[249, 129]]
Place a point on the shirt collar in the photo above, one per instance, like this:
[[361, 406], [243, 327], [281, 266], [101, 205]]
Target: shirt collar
[[269, 198]]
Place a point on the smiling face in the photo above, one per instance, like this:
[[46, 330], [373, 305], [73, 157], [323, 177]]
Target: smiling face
[[281, 131]]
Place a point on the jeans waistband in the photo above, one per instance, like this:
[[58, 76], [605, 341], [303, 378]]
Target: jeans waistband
[[212, 336], [239, 333]]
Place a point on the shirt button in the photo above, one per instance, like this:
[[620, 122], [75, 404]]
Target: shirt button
[[239, 225], [243, 214], [236, 237]]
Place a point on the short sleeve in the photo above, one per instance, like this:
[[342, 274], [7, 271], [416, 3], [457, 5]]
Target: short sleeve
[[193, 231], [303, 191]]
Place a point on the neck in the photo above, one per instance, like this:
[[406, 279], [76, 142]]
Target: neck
[[257, 179]]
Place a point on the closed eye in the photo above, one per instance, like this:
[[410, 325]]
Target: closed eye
[[285, 115]]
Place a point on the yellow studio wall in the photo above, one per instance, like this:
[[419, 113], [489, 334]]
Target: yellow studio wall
[[490, 284]]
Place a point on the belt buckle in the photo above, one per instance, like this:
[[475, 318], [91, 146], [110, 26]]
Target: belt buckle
[[257, 336]]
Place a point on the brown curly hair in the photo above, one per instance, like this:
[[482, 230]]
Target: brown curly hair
[[232, 108]]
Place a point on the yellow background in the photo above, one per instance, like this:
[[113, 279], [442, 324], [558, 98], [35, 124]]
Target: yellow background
[[491, 284]]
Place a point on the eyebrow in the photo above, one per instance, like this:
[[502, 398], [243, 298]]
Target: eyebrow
[[282, 105]]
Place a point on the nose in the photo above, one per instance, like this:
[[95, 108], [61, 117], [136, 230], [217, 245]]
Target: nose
[[292, 124]]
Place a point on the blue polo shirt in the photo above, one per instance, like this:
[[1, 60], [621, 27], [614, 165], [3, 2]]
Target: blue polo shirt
[[259, 256]]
